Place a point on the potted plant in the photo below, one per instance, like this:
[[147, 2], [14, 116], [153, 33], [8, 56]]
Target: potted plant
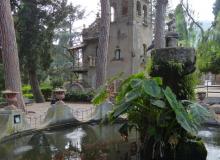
[[167, 126]]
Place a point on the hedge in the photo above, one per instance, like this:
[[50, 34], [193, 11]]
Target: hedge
[[73, 96]]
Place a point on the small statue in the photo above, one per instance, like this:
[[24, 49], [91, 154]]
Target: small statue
[[172, 23], [171, 35]]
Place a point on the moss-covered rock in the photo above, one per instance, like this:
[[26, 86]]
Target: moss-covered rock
[[191, 150]]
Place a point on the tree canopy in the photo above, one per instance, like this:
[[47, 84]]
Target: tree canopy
[[37, 22]]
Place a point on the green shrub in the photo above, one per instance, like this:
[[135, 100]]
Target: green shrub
[[57, 83], [28, 95], [47, 92], [79, 96], [2, 100], [26, 89], [45, 85]]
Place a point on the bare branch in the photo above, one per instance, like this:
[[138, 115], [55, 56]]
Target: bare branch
[[186, 8]]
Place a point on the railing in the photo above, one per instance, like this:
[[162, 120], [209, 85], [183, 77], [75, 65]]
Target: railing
[[36, 121], [209, 89]]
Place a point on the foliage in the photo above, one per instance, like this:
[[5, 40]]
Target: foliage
[[208, 54], [185, 28], [155, 111], [181, 25], [79, 96], [36, 24], [57, 83], [47, 92], [182, 85], [216, 8], [28, 96], [26, 89]]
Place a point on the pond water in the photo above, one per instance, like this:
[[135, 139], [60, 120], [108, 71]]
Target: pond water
[[88, 142], [79, 143], [211, 136]]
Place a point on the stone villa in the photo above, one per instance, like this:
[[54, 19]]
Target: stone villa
[[130, 34]]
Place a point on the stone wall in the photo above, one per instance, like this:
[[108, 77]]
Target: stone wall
[[129, 33]]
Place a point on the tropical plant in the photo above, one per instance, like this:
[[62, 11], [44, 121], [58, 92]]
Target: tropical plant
[[153, 109]]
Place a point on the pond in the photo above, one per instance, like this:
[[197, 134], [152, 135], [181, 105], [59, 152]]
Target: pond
[[89, 142], [211, 136]]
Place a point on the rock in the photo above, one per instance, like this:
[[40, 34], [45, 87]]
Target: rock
[[191, 150], [59, 113], [12, 121], [102, 111], [164, 57], [216, 109]]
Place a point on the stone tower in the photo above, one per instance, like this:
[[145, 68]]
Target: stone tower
[[130, 35]]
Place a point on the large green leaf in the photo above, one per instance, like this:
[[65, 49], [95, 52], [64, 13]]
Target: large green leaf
[[136, 83], [120, 109], [182, 116], [152, 88], [199, 113], [158, 103], [132, 95], [100, 97]]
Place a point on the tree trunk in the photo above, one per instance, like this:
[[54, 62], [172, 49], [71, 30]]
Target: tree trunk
[[160, 24], [38, 96], [101, 59], [10, 52]]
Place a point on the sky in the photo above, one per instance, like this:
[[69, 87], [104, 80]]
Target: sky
[[202, 10]]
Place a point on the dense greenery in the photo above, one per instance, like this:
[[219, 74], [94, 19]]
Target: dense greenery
[[46, 90], [209, 57], [188, 35], [37, 21], [163, 121], [74, 96]]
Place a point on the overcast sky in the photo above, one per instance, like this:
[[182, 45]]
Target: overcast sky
[[202, 8]]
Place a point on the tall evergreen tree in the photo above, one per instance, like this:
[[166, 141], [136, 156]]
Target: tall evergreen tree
[[9, 51], [216, 8], [37, 22], [181, 25], [101, 59]]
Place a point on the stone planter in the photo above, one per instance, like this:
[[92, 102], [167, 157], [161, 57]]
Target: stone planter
[[185, 150], [60, 96], [201, 96], [164, 58]]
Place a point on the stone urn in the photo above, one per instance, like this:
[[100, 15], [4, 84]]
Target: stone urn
[[201, 95], [11, 98], [59, 94]]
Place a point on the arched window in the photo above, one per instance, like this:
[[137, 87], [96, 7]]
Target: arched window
[[112, 14], [117, 53], [138, 8], [145, 14]]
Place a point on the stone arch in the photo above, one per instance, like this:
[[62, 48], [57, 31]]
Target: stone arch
[[145, 14], [112, 14], [138, 6]]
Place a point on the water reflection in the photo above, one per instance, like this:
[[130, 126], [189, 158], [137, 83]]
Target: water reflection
[[211, 136], [80, 143]]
